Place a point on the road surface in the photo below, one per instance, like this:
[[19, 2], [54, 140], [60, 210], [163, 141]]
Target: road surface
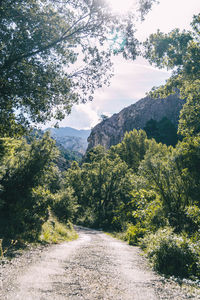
[[95, 266]]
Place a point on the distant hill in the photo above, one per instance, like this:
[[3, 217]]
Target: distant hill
[[71, 139], [111, 130]]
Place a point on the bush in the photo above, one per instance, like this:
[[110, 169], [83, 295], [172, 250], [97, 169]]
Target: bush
[[55, 232], [134, 233], [172, 254], [65, 205], [24, 193], [88, 219], [192, 219]]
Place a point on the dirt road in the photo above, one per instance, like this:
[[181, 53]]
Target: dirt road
[[95, 266]]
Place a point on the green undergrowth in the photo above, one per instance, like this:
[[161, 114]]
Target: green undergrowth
[[132, 234], [55, 232], [172, 254], [169, 254]]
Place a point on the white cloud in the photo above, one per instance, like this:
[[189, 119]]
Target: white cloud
[[131, 82], [83, 116]]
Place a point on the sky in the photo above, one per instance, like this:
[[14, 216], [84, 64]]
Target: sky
[[133, 79]]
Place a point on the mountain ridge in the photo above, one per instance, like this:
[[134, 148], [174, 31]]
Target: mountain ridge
[[111, 131], [69, 131], [70, 138]]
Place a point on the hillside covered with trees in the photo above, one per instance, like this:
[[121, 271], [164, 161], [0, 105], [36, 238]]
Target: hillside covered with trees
[[145, 190]]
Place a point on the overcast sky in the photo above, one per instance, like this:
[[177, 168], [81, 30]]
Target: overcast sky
[[132, 80]]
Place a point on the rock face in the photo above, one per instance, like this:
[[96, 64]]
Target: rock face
[[111, 131], [70, 138]]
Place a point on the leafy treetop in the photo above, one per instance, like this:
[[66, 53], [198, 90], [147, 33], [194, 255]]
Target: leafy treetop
[[54, 54], [179, 51]]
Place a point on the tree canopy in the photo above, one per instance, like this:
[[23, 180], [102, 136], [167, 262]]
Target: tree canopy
[[162, 131], [55, 53], [179, 51], [26, 183]]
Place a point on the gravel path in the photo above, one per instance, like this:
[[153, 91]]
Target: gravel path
[[96, 266]]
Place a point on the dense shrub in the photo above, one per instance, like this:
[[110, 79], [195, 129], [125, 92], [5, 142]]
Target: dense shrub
[[192, 216], [134, 233], [24, 187], [88, 219], [55, 232], [172, 254], [65, 205]]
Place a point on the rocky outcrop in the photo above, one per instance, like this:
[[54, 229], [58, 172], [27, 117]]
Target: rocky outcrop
[[70, 138], [111, 131]]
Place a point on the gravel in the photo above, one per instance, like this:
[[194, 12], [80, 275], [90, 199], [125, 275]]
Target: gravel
[[95, 266]]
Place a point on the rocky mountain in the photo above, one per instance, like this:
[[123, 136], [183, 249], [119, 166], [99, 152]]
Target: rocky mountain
[[70, 138], [111, 131]]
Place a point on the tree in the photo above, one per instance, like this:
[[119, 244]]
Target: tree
[[103, 117], [132, 148], [111, 188], [187, 160], [54, 54], [174, 175], [65, 204], [101, 185], [162, 131], [94, 154], [179, 51], [159, 169], [25, 194]]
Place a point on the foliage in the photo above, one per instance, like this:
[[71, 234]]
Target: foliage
[[172, 254], [179, 51], [134, 233], [162, 131], [137, 188], [55, 232], [132, 148], [163, 191], [174, 175], [54, 54], [192, 213], [159, 169], [25, 195], [65, 204], [100, 186], [95, 154], [144, 213], [66, 157]]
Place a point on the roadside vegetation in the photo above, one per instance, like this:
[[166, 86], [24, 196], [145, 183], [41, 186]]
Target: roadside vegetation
[[54, 232], [29, 187]]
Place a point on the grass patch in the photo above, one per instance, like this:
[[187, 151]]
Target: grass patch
[[55, 232]]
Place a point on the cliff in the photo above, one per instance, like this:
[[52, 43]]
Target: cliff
[[111, 131], [70, 138]]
